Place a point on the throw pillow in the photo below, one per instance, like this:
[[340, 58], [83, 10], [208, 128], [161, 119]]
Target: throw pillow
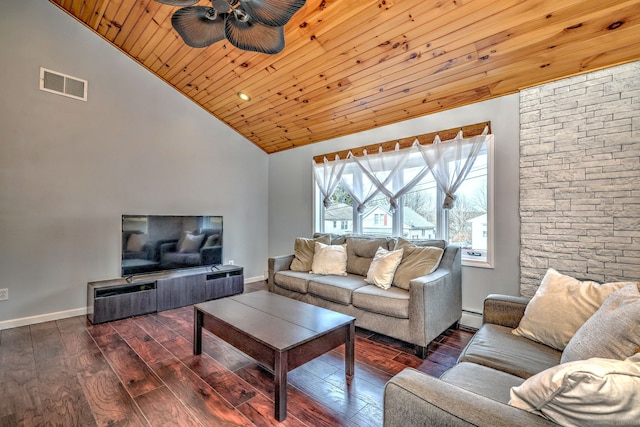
[[416, 261], [383, 267], [560, 306], [613, 332], [594, 392], [136, 242], [303, 250], [329, 259], [191, 243], [360, 253], [212, 240]]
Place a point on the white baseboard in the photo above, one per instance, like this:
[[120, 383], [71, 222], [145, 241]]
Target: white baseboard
[[254, 279], [471, 319], [47, 317]]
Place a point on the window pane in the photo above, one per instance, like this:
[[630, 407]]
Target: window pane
[[338, 218], [419, 210], [468, 218], [377, 219]]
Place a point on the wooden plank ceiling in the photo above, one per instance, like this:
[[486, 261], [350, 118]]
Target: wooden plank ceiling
[[353, 65]]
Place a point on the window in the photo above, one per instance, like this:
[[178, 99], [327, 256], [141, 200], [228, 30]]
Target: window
[[419, 215]]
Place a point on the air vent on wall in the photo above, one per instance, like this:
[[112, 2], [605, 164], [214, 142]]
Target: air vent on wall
[[62, 84]]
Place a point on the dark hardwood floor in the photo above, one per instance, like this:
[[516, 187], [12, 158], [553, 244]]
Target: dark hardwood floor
[[141, 372]]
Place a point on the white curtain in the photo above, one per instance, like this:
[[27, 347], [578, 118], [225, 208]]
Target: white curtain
[[361, 186], [328, 176], [395, 173], [389, 172], [450, 162]]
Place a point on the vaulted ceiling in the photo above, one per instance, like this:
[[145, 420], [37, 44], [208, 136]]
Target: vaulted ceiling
[[354, 65]]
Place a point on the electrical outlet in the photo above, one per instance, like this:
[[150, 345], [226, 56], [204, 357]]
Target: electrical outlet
[[4, 294], [231, 262]]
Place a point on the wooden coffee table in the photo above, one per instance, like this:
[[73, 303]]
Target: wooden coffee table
[[278, 332]]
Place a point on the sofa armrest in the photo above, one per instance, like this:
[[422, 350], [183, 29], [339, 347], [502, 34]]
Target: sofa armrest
[[504, 310], [413, 398], [278, 263]]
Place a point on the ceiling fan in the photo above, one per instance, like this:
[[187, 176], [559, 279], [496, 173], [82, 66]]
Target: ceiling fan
[[253, 25]]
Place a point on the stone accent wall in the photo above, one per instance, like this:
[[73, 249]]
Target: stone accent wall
[[580, 177]]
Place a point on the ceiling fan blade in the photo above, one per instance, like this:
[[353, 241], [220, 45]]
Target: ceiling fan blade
[[274, 13], [254, 36], [178, 2], [196, 26]]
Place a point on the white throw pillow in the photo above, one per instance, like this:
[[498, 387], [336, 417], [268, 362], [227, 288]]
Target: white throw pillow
[[136, 242], [593, 392], [613, 332], [329, 259], [560, 306], [383, 267]]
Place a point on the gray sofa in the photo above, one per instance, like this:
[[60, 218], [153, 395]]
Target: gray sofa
[[476, 391], [418, 315]]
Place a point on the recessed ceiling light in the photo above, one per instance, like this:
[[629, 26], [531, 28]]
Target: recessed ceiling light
[[244, 96]]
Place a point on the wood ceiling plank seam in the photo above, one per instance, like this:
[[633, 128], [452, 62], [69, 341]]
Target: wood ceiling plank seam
[[88, 9], [106, 21], [401, 54], [518, 37], [101, 7], [468, 131], [131, 21], [169, 44], [173, 62], [76, 7], [164, 34], [118, 20], [143, 22], [508, 60], [149, 33]]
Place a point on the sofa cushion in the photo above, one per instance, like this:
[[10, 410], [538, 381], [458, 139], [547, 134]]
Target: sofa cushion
[[360, 253], [390, 302], [416, 261], [383, 267], [496, 347], [560, 306], [329, 259], [613, 332], [482, 380], [336, 288], [293, 280], [303, 250], [593, 392]]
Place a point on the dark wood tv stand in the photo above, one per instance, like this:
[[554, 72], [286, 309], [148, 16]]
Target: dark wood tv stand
[[115, 299]]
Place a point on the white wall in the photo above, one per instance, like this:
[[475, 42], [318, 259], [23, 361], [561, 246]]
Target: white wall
[[69, 169], [291, 204]]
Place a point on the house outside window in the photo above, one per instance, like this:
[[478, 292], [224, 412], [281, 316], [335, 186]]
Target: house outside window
[[419, 215]]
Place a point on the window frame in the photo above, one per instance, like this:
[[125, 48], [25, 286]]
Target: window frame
[[442, 225]]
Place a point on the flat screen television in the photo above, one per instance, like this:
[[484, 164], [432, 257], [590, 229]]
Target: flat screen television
[[153, 243]]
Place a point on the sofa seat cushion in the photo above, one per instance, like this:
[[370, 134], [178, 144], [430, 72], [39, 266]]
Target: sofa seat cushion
[[336, 288], [296, 281], [482, 380], [496, 347], [390, 302]]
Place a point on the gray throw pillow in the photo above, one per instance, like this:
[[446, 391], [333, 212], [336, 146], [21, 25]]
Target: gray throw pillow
[[613, 332]]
